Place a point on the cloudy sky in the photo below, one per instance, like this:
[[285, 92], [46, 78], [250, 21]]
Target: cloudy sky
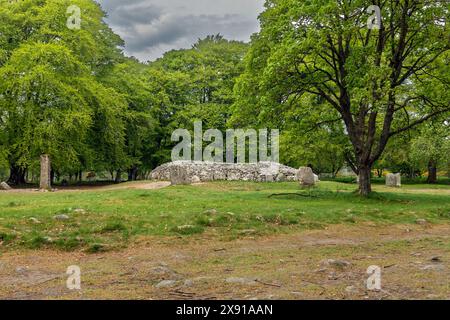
[[152, 27]]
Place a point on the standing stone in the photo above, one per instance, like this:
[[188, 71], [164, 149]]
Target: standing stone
[[179, 175], [305, 176], [4, 186], [45, 182], [394, 180]]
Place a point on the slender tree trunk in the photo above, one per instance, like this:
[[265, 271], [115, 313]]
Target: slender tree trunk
[[118, 176], [334, 174], [132, 173], [365, 187], [432, 172], [17, 175], [380, 173]]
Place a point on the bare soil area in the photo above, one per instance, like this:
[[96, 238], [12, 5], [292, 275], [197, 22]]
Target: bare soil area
[[144, 185], [322, 264]]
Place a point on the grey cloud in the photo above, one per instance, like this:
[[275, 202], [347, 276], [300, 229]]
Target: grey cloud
[[151, 27], [131, 13], [169, 29]]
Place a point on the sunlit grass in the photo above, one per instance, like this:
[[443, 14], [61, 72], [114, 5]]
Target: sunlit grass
[[100, 220]]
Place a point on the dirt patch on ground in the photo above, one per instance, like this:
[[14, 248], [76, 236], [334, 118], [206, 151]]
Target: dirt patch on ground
[[410, 190], [144, 185], [322, 264], [139, 185]]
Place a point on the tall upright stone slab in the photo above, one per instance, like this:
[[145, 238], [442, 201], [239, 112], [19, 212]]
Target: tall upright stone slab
[[394, 180], [305, 176], [45, 181]]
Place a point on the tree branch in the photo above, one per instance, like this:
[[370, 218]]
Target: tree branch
[[420, 121]]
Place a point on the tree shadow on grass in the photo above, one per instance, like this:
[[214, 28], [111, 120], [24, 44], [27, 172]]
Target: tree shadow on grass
[[385, 197]]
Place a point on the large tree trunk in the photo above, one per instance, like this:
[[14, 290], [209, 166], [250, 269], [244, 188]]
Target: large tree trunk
[[17, 175], [118, 178], [432, 172], [132, 173], [365, 187]]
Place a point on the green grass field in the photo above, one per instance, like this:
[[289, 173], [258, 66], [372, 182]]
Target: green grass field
[[103, 220]]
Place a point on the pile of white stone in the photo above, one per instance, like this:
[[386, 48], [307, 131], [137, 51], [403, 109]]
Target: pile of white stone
[[187, 172]]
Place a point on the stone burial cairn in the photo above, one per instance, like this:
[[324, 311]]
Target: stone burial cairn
[[394, 180], [188, 172]]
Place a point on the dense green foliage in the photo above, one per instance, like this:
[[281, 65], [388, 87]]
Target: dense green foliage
[[53, 97], [198, 85], [72, 94], [317, 63]]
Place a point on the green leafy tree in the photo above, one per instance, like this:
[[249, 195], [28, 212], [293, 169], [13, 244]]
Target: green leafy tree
[[45, 111], [130, 78], [431, 149], [195, 84], [378, 82], [52, 99]]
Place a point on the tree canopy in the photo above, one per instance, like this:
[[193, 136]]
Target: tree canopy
[[377, 82], [72, 94], [53, 98]]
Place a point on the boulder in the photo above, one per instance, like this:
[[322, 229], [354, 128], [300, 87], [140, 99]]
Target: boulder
[[166, 284], [61, 217], [245, 281], [306, 177], [394, 180], [34, 220], [335, 263], [4, 186]]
